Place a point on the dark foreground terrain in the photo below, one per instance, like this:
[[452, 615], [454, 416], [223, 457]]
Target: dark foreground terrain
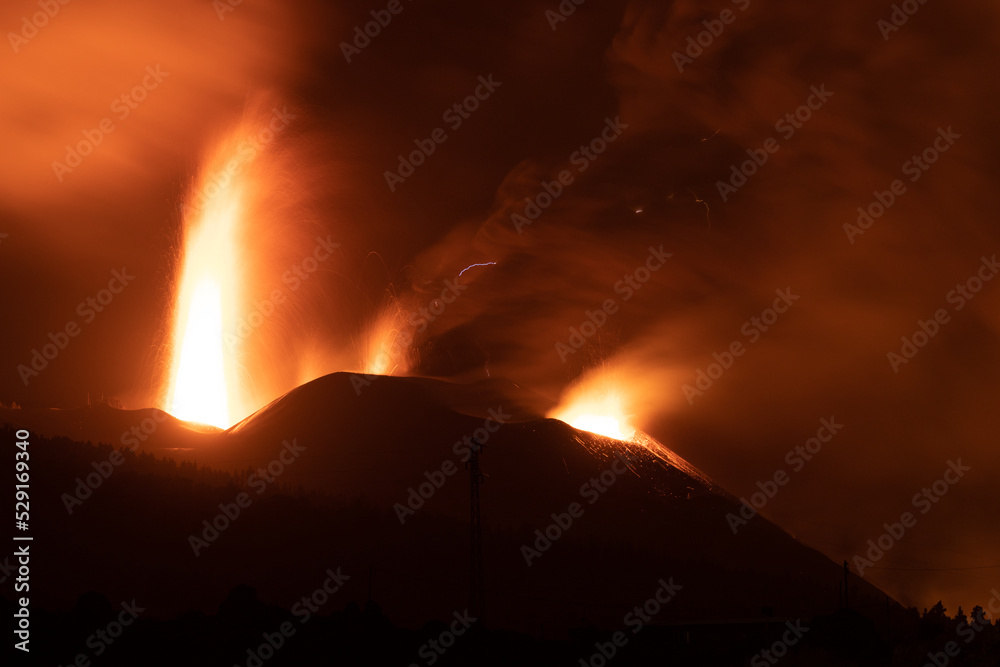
[[309, 534]]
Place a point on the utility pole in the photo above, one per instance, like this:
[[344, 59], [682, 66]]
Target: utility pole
[[476, 531]]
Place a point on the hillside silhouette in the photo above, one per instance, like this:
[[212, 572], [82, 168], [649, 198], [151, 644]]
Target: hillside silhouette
[[160, 526]]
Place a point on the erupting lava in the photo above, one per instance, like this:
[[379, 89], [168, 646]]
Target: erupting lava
[[608, 425], [599, 409], [597, 404], [199, 389], [204, 371], [387, 345]]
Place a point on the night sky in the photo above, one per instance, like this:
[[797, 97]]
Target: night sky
[[688, 204]]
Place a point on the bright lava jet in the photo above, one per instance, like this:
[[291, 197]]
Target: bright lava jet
[[597, 410], [203, 371]]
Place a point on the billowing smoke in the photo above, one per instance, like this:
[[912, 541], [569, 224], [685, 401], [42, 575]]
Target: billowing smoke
[[661, 195], [747, 157], [109, 113]]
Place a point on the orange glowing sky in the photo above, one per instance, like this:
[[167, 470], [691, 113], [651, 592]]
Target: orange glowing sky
[[321, 183]]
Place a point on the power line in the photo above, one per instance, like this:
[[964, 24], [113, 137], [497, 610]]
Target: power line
[[934, 569]]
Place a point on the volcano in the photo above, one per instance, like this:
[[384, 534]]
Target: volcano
[[365, 475]]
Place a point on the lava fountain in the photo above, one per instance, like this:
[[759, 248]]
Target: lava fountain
[[387, 345], [597, 407], [253, 296], [601, 402], [204, 375]]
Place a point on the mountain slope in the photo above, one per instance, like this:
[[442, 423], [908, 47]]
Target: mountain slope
[[578, 529]]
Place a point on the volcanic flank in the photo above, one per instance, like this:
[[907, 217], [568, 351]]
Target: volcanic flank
[[367, 473]]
